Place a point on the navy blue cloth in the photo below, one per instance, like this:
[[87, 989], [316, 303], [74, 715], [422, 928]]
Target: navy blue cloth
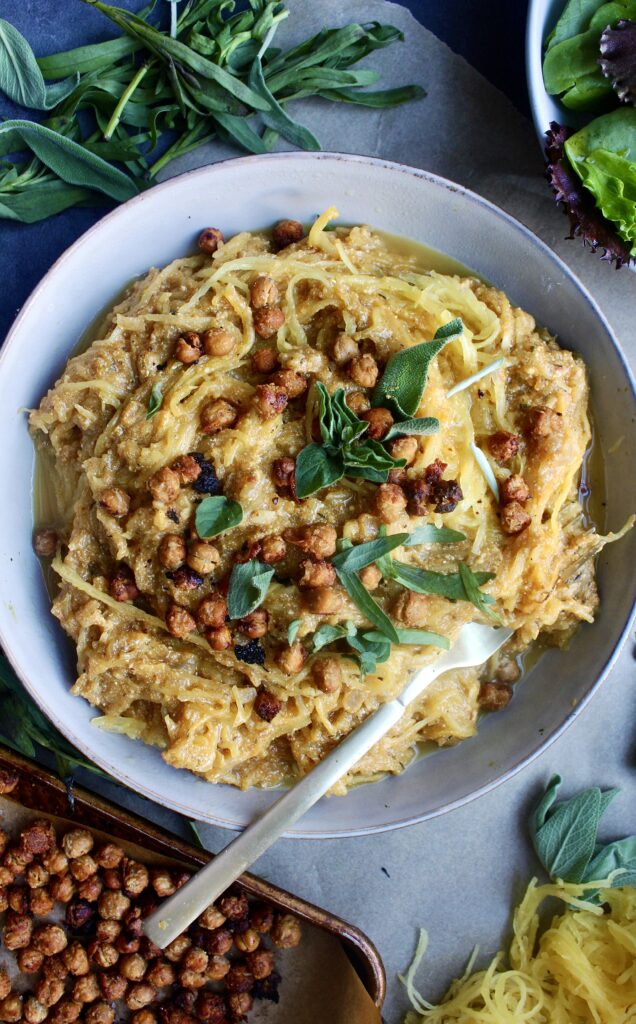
[[489, 33]]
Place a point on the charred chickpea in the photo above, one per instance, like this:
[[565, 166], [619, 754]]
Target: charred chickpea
[[18, 898], [127, 943], [66, 1011], [270, 400], [284, 472], [36, 876], [363, 371], [264, 360], [219, 942], [209, 240], [112, 878], [115, 501], [327, 674], [295, 384], [234, 905], [320, 573], [122, 585], [112, 986], [503, 446], [75, 959], [161, 974], [161, 881], [33, 1011], [172, 551], [18, 930], [266, 705], [212, 611], [255, 625], [176, 949], [164, 485], [212, 918], [109, 855], [404, 448], [322, 601], [187, 469], [45, 542], [390, 502], [135, 877], [50, 939], [11, 1008], [218, 966], [86, 989], [358, 402], [132, 967], [79, 913], [139, 995], [273, 549], [344, 349], [219, 639], [83, 867], [179, 622], [291, 659], [41, 902], [217, 414], [204, 558], [62, 888], [107, 931], [55, 861], [268, 321], [380, 422], [210, 1007], [217, 342], [370, 577], [260, 963], [287, 232], [113, 905], [90, 889], [30, 960], [263, 292], [286, 931], [99, 1013], [188, 348], [247, 941], [49, 991]]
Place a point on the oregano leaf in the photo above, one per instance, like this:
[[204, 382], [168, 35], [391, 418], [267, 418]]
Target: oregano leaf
[[216, 514], [315, 469], [249, 583]]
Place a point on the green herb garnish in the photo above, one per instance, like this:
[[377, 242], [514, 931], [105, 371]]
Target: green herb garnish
[[365, 603], [421, 425], [326, 634], [402, 384], [292, 630], [154, 402], [354, 558], [565, 837], [472, 582], [216, 514], [415, 636], [249, 584], [133, 104], [430, 534]]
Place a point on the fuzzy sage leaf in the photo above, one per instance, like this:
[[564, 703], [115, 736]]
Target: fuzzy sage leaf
[[20, 76], [216, 514], [402, 384], [421, 425], [249, 584]]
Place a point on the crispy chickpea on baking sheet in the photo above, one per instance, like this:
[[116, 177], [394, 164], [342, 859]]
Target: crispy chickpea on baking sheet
[[88, 960]]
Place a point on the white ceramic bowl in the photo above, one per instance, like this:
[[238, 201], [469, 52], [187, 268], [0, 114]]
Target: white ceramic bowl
[[163, 223]]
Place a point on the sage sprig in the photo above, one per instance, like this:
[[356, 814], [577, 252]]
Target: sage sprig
[[20, 77], [402, 384], [565, 837], [249, 583]]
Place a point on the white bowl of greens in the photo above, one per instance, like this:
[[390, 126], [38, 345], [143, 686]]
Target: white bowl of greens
[[581, 66]]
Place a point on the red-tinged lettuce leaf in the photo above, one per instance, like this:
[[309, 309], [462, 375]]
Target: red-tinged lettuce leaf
[[618, 59], [586, 220]]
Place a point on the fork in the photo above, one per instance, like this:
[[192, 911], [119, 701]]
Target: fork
[[475, 644]]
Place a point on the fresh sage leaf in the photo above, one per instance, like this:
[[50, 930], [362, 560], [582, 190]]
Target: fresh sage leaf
[[402, 384], [249, 583], [327, 634], [155, 401], [315, 469], [619, 856], [471, 582], [415, 636], [20, 77], [365, 603], [85, 59], [370, 652], [217, 514], [71, 161], [564, 832], [430, 534], [292, 630], [355, 558], [422, 425]]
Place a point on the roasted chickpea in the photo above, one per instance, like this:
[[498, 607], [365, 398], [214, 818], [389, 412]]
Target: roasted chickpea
[[132, 967], [209, 241], [161, 881], [404, 448], [86, 989], [127, 943], [90, 889], [187, 469], [50, 939], [273, 549], [18, 898], [287, 232], [210, 1007], [358, 402], [261, 917], [323, 601], [161, 974], [260, 963], [11, 1008], [514, 518], [188, 348], [18, 930], [239, 1005], [177, 948], [54, 968], [4, 902], [219, 942], [217, 342], [212, 611], [327, 674], [115, 501], [255, 625], [140, 995], [247, 941], [107, 931], [99, 1013], [65, 1012], [204, 558], [75, 959], [263, 292], [9, 780], [55, 861], [45, 542], [218, 966], [36, 876], [219, 639], [270, 400], [370, 577], [266, 705], [34, 1011], [541, 422], [109, 855], [62, 888], [319, 573], [295, 384], [212, 918], [112, 986], [268, 321], [514, 489], [180, 623], [217, 414], [113, 905], [291, 659], [412, 609], [164, 485], [264, 360], [103, 954], [503, 446], [122, 585], [285, 932], [172, 551], [135, 877], [144, 1016], [380, 422], [49, 991], [30, 960], [363, 371], [390, 502], [83, 867], [318, 540], [344, 349]]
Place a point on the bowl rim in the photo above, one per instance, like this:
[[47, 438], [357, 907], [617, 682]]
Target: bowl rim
[[222, 166]]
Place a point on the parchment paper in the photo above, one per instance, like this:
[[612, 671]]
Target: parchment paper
[[319, 984], [456, 875]]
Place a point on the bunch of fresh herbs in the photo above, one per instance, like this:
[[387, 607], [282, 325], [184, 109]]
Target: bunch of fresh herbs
[[120, 111]]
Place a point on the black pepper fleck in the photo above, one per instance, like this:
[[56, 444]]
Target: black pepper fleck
[[252, 653], [172, 515]]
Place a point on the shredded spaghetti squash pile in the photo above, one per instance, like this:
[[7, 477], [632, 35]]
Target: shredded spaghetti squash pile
[[126, 409], [580, 970]]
